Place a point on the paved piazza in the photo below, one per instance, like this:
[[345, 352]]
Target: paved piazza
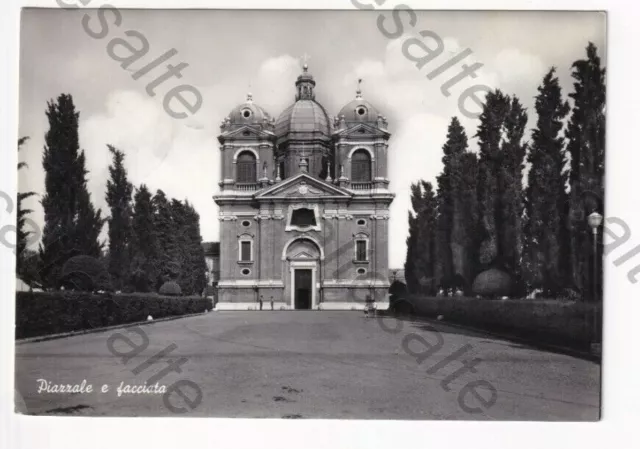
[[307, 365]]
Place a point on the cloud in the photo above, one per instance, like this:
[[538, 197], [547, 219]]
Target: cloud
[[160, 151], [181, 157]]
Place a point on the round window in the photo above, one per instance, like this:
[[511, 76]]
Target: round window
[[361, 110], [362, 271], [246, 272], [246, 113], [246, 223], [362, 223]]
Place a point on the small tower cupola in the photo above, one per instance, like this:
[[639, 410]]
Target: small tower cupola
[[305, 85], [360, 110]]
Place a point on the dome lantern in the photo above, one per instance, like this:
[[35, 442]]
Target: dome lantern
[[305, 85], [305, 116]]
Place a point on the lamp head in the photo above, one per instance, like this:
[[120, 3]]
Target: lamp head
[[595, 221]]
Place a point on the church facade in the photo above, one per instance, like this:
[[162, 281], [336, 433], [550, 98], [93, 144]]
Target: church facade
[[303, 205]]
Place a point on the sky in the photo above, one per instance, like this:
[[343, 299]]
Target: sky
[[231, 53]]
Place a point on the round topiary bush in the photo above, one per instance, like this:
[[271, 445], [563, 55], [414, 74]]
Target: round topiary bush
[[398, 289], [170, 288], [85, 273], [492, 282]]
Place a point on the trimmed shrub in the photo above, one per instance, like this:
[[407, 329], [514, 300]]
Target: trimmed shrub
[[549, 321], [170, 288], [402, 307], [45, 313], [86, 274], [398, 289], [492, 283]]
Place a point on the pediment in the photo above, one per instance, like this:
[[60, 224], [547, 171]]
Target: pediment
[[303, 255], [246, 133], [303, 186], [361, 130]]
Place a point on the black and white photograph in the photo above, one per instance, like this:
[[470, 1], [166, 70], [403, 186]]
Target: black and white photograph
[[375, 213]]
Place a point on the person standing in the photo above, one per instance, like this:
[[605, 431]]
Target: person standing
[[368, 306]]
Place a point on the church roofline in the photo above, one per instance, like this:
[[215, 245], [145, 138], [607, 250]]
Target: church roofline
[[346, 132], [237, 134], [339, 192]]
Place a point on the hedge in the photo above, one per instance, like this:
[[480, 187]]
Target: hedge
[[556, 322], [45, 313]]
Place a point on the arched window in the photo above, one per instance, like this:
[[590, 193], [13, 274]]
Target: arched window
[[361, 166], [246, 168]]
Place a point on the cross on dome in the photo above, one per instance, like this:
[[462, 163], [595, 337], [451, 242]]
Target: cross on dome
[[359, 89], [305, 62]]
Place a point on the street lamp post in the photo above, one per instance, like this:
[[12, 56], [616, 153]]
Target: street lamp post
[[595, 221]]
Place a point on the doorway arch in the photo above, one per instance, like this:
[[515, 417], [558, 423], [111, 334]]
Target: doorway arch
[[302, 256]]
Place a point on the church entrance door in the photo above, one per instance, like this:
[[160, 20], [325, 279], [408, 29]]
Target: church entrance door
[[302, 285]]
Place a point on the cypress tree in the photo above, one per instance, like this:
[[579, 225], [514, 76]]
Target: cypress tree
[[119, 191], [447, 204], [410, 275], [22, 234], [89, 221], [457, 210], [181, 257], [489, 135], [144, 243], [546, 196], [511, 206], [464, 235], [27, 261], [428, 244], [420, 265], [169, 259], [196, 260], [72, 224], [586, 134]]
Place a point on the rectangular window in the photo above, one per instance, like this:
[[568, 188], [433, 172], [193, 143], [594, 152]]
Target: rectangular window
[[245, 251], [361, 250]]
